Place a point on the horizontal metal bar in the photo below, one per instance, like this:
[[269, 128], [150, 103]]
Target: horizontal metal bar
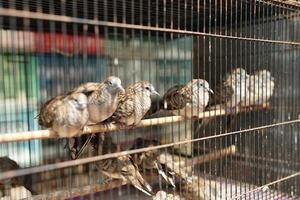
[[43, 168], [66, 19], [265, 186]]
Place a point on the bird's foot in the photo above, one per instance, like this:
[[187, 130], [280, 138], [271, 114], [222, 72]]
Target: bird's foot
[[86, 129], [70, 145]]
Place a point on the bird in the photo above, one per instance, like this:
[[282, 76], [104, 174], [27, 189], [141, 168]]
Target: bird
[[149, 159], [134, 103], [67, 115], [233, 90], [261, 88], [162, 195], [102, 103], [122, 167], [229, 95], [188, 100], [102, 98], [7, 164]]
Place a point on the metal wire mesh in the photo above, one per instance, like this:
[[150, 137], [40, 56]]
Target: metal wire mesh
[[246, 151]]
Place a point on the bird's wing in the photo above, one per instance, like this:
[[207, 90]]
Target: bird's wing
[[125, 107], [87, 88], [166, 176], [47, 111], [223, 93], [130, 171], [174, 99]]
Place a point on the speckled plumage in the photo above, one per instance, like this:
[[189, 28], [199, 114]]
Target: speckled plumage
[[149, 159], [102, 98], [66, 115], [189, 100], [233, 89], [261, 88], [162, 195], [122, 168], [134, 103]]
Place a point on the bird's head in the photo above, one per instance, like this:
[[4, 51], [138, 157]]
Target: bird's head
[[199, 84], [238, 75], [264, 75], [79, 100], [113, 85], [144, 87]]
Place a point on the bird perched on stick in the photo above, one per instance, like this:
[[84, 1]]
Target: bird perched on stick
[[102, 98], [134, 103], [149, 159], [233, 90], [102, 103], [66, 115], [188, 100], [122, 168], [261, 88]]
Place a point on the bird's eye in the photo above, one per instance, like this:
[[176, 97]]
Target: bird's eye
[[147, 88]]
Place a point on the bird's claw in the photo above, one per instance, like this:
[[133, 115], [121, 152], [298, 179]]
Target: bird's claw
[[86, 129]]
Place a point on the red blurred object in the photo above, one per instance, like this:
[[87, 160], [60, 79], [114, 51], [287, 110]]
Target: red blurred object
[[25, 41]]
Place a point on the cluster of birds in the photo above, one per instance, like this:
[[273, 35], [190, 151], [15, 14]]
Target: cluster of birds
[[93, 103]]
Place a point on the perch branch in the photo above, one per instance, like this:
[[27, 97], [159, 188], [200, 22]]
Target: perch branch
[[213, 156], [46, 134], [100, 128]]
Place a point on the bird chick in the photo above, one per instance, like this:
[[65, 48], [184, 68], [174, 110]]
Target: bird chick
[[134, 103], [149, 160], [261, 88], [102, 98], [188, 100], [122, 168], [66, 115]]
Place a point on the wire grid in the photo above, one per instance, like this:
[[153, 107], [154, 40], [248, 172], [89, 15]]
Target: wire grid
[[49, 47]]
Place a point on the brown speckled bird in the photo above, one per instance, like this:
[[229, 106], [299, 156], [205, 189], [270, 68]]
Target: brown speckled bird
[[122, 168], [102, 98], [102, 103], [66, 115], [149, 159], [134, 103], [188, 100]]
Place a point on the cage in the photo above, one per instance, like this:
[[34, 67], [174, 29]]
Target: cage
[[241, 142]]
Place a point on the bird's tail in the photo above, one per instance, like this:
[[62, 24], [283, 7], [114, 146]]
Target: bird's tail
[[86, 143], [168, 177], [137, 180]]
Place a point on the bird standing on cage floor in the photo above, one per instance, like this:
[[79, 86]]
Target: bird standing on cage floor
[[188, 100], [21, 184], [66, 115], [102, 103], [149, 160], [134, 103], [261, 88], [121, 168]]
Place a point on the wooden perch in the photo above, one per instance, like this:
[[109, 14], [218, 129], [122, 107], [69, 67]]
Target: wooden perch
[[100, 128], [213, 156], [46, 134]]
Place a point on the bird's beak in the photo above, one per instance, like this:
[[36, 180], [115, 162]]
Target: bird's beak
[[120, 88], [156, 93], [210, 90]]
